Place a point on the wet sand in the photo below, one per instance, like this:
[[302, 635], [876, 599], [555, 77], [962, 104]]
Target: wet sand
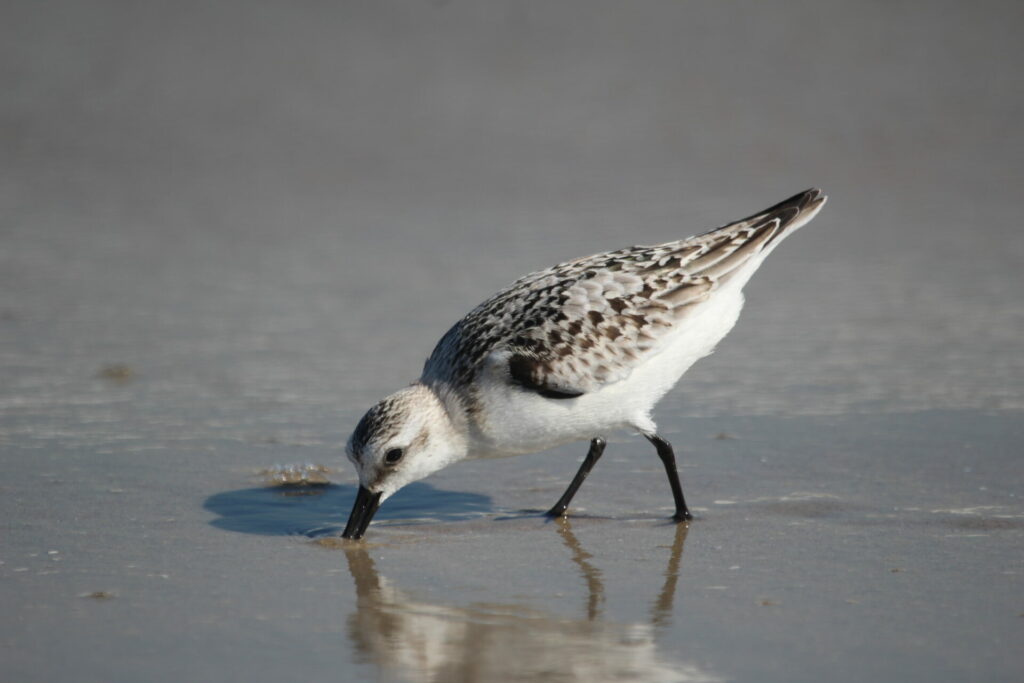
[[227, 231], [880, 547]]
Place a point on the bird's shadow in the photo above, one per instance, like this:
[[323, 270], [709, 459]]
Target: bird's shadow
[[321, 510]]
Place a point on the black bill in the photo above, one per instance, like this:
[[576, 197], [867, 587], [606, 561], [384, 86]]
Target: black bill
[[363, 511]]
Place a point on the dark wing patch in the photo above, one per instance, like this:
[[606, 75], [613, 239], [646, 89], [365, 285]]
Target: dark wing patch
[[530, 374]]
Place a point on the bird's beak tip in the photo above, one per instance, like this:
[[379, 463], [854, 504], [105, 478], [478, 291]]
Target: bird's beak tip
[[365, 507]]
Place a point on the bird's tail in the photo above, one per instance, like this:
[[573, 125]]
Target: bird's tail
[[791, 214], [734, 251]]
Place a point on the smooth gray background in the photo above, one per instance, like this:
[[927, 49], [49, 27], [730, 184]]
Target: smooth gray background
[[271, 211]]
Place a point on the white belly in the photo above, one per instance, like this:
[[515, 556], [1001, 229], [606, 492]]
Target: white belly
[[512, 420]]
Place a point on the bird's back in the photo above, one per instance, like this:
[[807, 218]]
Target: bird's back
[[587, 323]]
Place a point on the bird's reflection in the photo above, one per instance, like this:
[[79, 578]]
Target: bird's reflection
[[591, 574], [419, 641]]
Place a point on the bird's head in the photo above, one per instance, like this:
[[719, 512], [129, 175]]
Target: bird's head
[[405, 437]]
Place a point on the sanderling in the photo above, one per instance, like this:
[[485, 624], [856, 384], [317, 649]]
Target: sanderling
[[568, 354]]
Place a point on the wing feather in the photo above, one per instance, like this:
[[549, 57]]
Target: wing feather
[[573, 328]]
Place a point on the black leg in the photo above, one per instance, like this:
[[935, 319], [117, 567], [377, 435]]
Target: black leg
[[668, 459], [593, 455]]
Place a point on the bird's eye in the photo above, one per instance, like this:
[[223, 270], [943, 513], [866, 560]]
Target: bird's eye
[[393, 456]]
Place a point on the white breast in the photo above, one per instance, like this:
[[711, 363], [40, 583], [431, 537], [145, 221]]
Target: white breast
[[511, 420]]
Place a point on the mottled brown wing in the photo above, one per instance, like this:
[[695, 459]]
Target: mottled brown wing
[[586, 323]]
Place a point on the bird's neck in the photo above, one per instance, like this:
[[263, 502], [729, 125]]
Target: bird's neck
[[452, 416]]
